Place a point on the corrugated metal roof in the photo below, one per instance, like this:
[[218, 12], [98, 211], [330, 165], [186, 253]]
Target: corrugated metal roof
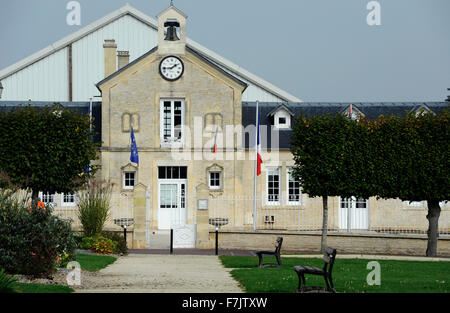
[[87, 49]]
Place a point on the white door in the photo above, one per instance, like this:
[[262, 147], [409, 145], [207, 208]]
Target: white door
[[172, 204], [353, 213]]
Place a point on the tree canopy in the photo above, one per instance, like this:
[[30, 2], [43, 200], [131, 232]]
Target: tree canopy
[[404, 157], [46, 148]]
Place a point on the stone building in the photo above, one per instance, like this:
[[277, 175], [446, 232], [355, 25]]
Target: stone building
[[179, 102]]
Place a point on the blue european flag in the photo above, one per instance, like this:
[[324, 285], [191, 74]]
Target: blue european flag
[[134, 150]]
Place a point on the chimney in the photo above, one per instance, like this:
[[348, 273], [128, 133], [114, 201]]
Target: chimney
[[448, 97], [110, 48], [123, 58]]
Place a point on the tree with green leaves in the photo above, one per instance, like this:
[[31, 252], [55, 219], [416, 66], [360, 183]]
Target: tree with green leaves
[[412, 162], [405, 157], [329, 159], [46, 149]]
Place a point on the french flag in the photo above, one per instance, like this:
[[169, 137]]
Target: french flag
[[215, 140], [258, 146]]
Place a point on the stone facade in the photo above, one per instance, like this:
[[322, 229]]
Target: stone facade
[[133, 97]]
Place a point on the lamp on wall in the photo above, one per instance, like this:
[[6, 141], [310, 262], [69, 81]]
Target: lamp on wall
[[1, 90]]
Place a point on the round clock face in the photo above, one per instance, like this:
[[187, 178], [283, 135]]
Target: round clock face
[[171, 68]]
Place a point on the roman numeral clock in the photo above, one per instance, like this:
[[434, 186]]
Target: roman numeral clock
[[171, 68]]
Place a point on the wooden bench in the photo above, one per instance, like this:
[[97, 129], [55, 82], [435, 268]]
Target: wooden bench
[[328, 258], [275, 253]]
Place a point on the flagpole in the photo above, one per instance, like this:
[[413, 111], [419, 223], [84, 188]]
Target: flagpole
[[90, 133], [349, 200], [255, 201]]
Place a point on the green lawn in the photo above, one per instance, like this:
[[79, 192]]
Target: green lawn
[[349, 275], [94, 263], [88, 262], [42, 288]]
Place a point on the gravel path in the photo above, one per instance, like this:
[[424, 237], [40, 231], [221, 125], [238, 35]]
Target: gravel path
[[161, 274]]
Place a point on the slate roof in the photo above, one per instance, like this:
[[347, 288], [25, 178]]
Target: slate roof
[[369, 109], [81, 107]]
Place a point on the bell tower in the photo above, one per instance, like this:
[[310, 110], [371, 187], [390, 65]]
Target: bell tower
[[171, 31]]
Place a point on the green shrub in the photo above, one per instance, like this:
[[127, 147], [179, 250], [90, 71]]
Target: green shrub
[[100, 244], [87, 242], [32, 239], [121, 247], [78, 240], [93, 207], [103, 245], [7, 283]]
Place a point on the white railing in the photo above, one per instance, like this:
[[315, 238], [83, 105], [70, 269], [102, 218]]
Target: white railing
[[121, 206], [382, 216]]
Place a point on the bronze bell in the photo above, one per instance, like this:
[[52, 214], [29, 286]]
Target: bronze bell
[[171, 34]]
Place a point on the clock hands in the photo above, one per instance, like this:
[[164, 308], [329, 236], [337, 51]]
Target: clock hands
[[169, 68]]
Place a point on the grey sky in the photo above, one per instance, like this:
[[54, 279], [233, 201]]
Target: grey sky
[[318, 50]]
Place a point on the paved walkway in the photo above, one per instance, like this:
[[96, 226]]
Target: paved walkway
[[139, 273]]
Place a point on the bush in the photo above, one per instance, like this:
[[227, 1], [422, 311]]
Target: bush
[[32, 239], [87, 242], [103, 245], [7, 283], [100, 244], [121, 247], [93, 208], [78, 240]]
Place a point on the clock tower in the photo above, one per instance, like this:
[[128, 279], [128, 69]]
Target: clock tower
[[171, 32]]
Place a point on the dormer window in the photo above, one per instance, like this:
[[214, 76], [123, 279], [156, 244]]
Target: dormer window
[[281, 117], [353, 112], [421, 110]]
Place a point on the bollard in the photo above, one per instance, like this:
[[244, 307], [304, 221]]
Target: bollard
[[171, 241], [217, 241]]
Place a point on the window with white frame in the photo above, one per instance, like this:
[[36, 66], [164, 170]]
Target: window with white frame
[[273, 186], [294, 193], [68, 199], [282, 119], [47, 198], [129, 180], [215, 180], [172, 121]]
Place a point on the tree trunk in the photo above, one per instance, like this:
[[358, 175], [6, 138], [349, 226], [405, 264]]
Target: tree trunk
[[323, 244], [434, 211], [34, 197]]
